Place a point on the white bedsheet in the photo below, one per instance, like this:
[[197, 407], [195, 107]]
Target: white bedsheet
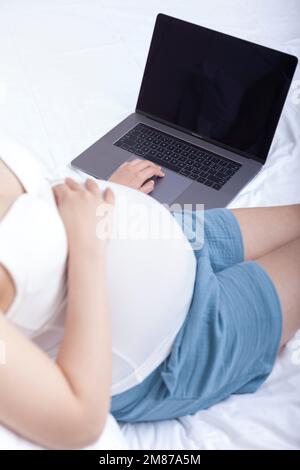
[[70, 70]]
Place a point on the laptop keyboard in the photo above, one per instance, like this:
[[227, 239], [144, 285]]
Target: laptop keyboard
[[177, 155]]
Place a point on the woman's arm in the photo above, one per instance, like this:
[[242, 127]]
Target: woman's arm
[[65, 404]]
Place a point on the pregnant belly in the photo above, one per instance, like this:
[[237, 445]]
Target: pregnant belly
[[151, 272]]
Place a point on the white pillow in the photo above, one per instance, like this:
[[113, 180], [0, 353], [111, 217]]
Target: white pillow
[[151, 272]]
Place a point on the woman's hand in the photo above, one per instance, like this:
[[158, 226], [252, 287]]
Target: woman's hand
[[80, 206], [137, 174]]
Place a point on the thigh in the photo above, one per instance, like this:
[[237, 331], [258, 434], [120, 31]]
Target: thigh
[[265, 229], [283, 267]]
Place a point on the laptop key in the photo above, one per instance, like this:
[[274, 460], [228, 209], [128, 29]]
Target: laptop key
[[184, 172], [140, 152], [215, 179], [201, 179]]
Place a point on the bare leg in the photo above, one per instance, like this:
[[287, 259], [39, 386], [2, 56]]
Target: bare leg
[[283, 266], [265, 229]]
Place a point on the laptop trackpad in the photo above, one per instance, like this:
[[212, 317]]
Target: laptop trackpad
[[168, 188]]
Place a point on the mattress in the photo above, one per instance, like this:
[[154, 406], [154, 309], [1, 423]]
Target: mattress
[[70, 70]]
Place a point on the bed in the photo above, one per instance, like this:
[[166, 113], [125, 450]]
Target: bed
[[70, 70]]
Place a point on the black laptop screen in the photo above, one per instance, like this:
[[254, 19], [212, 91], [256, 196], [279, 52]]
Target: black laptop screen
[[225, 89]]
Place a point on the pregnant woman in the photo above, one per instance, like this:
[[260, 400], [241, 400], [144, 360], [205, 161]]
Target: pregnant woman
[[235, 304]]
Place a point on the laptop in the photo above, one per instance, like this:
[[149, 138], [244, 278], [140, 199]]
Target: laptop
[[207, 112]]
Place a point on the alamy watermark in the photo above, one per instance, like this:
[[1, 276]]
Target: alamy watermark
[[141, 221]]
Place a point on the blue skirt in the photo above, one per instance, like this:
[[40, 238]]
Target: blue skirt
[[229, 340]]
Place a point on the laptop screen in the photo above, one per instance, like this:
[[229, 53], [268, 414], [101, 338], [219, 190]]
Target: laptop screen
[[226, 90]]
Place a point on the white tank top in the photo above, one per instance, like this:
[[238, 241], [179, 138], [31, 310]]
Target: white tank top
[[150, 281]]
